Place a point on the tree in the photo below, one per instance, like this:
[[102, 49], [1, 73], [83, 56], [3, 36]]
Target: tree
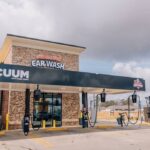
[[125, 102], [109, 103]]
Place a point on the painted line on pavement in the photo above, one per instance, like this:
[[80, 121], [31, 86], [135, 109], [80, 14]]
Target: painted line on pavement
[[38, 139], [56, 129], [105, 126], [2, 133]]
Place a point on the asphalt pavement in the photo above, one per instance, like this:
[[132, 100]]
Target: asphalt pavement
[[100, 138]]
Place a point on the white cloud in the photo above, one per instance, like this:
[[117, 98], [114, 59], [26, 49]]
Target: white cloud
[[126, 69], [24, 18], [115, 30], [132, 69]]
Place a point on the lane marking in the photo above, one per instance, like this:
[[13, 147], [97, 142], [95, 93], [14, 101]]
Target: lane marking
[[55, 129], [105, 126], [38, 139], [2, 133]]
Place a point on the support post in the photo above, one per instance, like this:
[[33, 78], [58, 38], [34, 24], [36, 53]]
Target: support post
[[1, 102], [84, 100], [43, 124], [84, 110], [54, 123], [26, 119], [7, 121], [27, 103]]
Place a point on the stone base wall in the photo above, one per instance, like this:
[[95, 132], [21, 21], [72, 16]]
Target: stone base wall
[[17, 109], [70, 109]]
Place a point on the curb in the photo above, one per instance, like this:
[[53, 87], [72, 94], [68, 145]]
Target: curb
[[55, 129], [145, 124], [2, 133], [105, 126]]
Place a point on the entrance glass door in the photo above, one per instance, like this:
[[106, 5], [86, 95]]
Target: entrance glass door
[[49, 108], [57, 109]]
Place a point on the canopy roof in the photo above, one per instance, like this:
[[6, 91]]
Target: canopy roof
[[18, 78]]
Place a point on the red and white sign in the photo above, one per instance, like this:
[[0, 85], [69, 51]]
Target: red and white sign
[[137, 84], [50, 57]]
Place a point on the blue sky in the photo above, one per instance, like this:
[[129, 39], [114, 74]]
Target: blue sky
[[95, 66]]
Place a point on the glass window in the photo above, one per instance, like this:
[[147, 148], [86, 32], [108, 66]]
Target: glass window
[[49, 108]]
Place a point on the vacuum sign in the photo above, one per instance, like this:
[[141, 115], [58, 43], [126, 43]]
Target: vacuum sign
[[47, 64], [14, 74]]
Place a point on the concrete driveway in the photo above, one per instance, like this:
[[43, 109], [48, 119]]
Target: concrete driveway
[[115, 138]]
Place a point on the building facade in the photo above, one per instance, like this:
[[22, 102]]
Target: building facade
[[63, 107], [27, 64]]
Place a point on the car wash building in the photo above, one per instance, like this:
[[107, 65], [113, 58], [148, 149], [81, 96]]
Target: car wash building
[[54, 67]]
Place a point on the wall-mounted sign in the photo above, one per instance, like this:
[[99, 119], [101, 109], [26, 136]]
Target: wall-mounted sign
[[35, 75], [138, 84], [50, 57], [47, 64], [14, 74], [52, 61]]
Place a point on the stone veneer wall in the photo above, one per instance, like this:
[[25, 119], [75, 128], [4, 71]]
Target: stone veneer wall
[[70, 102], [17, 108], [70, 111], [23, 56]]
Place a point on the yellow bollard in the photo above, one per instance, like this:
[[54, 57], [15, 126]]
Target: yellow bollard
[[43, 124], [7, 121], [54, 123], [80, 118], [81, 114]]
